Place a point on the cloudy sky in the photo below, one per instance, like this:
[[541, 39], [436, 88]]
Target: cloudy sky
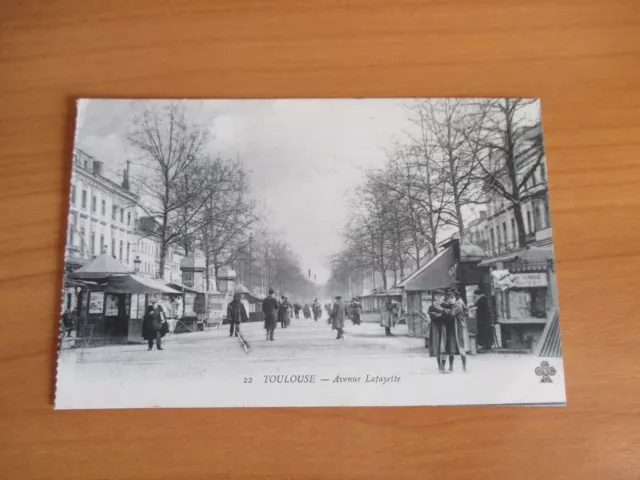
[[303, 156]]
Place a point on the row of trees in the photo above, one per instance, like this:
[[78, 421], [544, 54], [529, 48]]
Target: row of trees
[[458, 154], [196, 200]]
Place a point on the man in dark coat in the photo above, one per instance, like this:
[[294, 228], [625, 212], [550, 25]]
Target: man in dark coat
[[270, 308], [296, 309], [356, 310], [454, 313], [152, 325], [283, 312], [484, 320], [236, 314], [317, 310], [338, 314], [438, 332]]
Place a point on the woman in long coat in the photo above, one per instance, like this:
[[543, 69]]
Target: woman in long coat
[[389, 316], [151, 327], [337, 317], [454, 312], [283, 313]]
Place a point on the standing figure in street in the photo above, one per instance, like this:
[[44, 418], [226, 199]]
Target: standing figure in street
[[337, 317], [236, 314], [270, 309], [356, 310], [484, 319], [152, 325], [296, 308], [317, 310], [454, 312], [438, 330], [283, 312], [306, 311], [389, 316]]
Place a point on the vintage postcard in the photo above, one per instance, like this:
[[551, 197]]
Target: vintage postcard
[[309, 252]]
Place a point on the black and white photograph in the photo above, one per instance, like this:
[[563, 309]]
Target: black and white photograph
[[309, 253]]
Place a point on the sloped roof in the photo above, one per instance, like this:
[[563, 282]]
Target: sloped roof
[[137, 284], [433, 274], [103, 264]]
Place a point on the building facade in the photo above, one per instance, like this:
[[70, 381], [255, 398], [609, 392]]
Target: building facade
[[102, 214], [522, 276]]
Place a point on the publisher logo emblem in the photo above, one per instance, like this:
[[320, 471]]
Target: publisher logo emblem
[[545, 371]]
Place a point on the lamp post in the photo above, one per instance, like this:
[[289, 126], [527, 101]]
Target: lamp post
[[136, 264]]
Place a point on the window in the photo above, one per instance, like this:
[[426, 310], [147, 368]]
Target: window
[[104, 208], [82, 240], [92, 243], [121, 215], [113, 247], [534, 180], [84, 199], [114, 209], [73, 194], [493, 240], [514, 231], [94, 203], [537, 218], [547, 213], [128, 218], [71, 234], [128, 251], [504, 232], [543, 174], [498, 239], [120, 256], [529, 222], [101, 244]]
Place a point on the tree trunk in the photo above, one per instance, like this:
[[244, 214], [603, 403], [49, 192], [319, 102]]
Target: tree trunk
[[207, 264], [517, 213]]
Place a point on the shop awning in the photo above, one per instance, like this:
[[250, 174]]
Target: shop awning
[[531, 254], [182, 288], [432, 275], [137, 284], [100, 267]]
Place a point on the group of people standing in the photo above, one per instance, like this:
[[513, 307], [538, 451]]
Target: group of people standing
[[448, 330]]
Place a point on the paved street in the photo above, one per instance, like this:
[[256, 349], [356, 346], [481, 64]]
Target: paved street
[[210, 368]]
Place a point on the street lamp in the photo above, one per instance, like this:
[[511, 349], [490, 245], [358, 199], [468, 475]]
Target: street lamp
[[136, 264]]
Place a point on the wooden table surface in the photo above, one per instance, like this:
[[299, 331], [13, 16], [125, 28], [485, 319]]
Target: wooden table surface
[[580, 56]]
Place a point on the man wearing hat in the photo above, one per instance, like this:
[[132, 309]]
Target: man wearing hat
[[270, 309], [337, 317], [236, 314], [438, 330], [389, 317], [454, 312], [484, 319]]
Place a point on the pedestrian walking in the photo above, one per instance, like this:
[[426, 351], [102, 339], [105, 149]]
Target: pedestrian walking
[[484, 320], [283, 312], [356, 312], [236, 314], [296, 309], [389, 316], [153, 325], [454, 312], [337, 317], [438, 330], [306, 311], [317, 310], [270, 307]]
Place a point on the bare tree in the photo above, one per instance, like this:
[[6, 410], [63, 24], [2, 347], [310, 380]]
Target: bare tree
[[508, 148], [173, 150]]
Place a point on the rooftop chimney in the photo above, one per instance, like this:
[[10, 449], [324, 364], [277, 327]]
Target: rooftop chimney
[[125, 177], [97, 167]]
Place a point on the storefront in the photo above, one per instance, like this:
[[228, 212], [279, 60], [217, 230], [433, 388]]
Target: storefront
[[373, 303], [523, 286], [111, 308], [455, 266]]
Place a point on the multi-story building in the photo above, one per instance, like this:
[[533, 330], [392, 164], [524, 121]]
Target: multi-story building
[[495, 229], [146, 249], [102, 214], [525, 306]]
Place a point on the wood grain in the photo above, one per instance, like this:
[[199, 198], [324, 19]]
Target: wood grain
[[580, 56]]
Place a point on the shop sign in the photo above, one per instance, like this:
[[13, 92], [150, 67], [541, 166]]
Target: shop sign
[[528, 280]]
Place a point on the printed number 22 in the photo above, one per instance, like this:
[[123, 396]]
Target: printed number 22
[[248, 379]]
